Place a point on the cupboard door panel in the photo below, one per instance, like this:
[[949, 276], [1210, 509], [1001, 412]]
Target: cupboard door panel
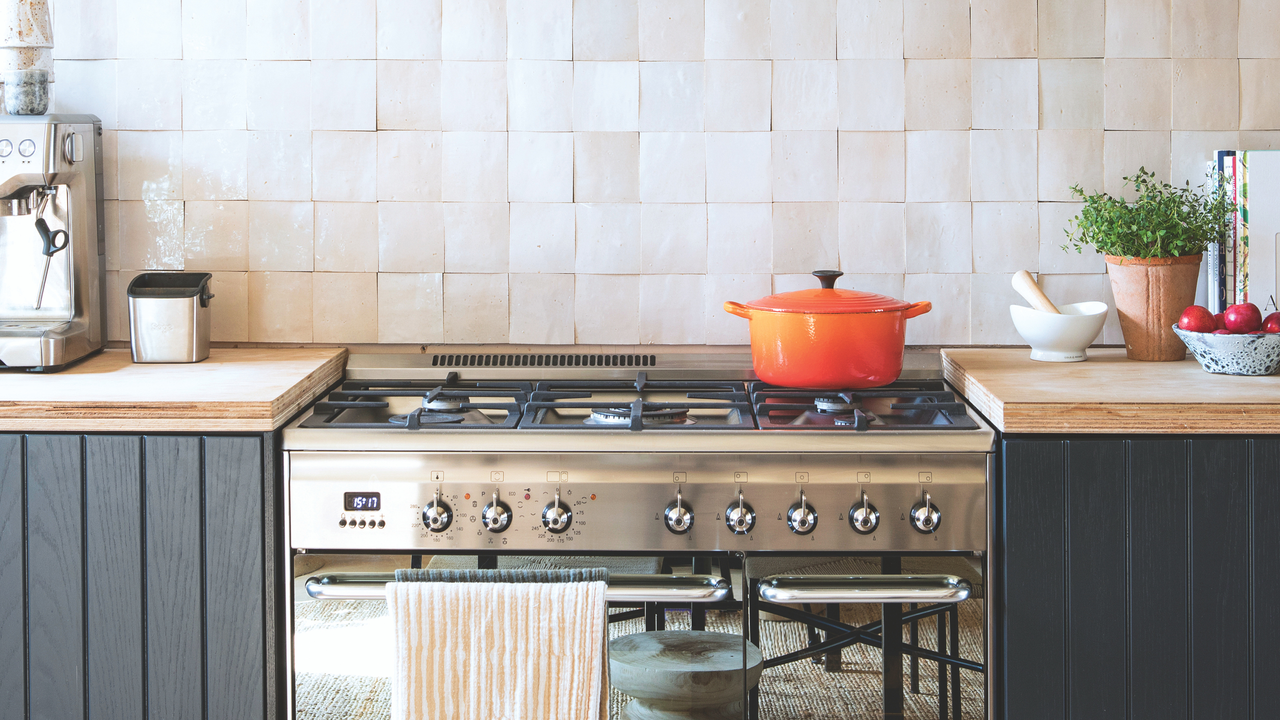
[[13, 636], [1219, 578], [55, 585], [1266, 573], [1159, 595], [113, 528], [1034, 518], [175, 668], [233, 576], [1096, 566]]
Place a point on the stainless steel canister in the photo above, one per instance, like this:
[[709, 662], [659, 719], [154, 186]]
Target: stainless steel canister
[[169, 317]]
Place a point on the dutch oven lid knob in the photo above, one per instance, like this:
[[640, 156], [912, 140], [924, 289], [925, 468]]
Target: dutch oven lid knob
[[827, 278]]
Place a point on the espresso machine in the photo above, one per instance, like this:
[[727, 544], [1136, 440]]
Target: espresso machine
[[53, 307]]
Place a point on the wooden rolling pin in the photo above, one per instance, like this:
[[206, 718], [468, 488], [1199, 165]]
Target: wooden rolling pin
[[1029, 289]]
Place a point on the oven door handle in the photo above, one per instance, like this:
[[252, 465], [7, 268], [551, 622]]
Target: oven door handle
[[864, 589], [622, 588]]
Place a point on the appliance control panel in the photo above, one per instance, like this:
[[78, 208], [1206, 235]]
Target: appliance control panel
[[24, 147], [640, 502]]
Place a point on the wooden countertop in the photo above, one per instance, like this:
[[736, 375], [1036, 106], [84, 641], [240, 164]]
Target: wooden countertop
[[1110, 394], [250, 390]]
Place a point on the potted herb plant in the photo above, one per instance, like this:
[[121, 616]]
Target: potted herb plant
[[1153, 248]]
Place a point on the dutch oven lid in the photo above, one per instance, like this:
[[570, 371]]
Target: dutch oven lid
[[828, 299]]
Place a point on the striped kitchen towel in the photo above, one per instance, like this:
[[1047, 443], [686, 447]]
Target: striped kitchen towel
[[499, 650]]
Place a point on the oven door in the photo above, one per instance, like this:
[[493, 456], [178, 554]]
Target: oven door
[[698, 653]]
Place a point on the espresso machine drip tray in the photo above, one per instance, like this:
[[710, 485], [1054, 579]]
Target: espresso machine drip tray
[[52, 261]]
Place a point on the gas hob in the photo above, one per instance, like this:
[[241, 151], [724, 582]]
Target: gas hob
[[630, 453]]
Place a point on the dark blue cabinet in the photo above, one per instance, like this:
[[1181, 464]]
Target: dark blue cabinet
[[138, 577], [1139, 577]]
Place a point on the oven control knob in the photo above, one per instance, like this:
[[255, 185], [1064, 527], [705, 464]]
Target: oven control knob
[[863, 517], [678, 516], [740, 516], [801, 517], [556, 517], [438, 516], [925, 516], [496, 516]]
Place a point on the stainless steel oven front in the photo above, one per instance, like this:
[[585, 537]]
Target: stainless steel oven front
[[801, 552]]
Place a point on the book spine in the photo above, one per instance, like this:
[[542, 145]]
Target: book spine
[[1213, 262], [1242, 233], [1233, 233]]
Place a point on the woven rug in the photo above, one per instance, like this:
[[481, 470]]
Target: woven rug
[[354, 684]]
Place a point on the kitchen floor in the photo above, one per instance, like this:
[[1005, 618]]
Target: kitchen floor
[[354, 684]]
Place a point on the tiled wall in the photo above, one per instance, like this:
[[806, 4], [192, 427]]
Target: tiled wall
[[610, 171]]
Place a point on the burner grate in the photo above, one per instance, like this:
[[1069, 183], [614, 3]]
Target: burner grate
[[906, 405], [640, 415]]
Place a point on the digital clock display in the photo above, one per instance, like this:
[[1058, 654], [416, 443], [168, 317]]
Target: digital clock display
[[362, 501]]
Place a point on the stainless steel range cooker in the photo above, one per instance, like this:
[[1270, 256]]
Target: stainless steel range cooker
[[673, 455]]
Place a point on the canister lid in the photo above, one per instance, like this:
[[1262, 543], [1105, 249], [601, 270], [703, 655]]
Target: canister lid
[[171, 285], [828, 299]]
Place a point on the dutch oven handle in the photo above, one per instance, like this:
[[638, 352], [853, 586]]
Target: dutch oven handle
[[919, 308], [738, 309]]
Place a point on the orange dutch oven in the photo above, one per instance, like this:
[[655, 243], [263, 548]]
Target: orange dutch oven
[[827, 338]]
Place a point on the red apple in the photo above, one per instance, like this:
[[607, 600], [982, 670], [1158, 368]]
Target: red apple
[[1223, 331], [1271, 323], [1243, 318], [1219, 321], [1197, 319]]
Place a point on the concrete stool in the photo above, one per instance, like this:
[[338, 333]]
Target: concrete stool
[[682, 674]]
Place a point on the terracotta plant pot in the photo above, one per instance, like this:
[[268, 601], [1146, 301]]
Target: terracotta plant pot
[[1150, 295]]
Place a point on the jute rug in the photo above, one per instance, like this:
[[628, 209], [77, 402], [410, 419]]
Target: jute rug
[[344, 651]]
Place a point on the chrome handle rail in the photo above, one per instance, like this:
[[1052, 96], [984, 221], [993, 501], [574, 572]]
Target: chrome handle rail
[[864, 589], [622, 588]]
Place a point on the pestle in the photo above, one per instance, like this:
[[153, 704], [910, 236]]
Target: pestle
[[1029, 289]]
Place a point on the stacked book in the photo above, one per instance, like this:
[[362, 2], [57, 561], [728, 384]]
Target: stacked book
[[1243, 266]]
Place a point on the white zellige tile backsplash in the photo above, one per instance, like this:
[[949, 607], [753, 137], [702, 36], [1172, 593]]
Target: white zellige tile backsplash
[[610, 171]]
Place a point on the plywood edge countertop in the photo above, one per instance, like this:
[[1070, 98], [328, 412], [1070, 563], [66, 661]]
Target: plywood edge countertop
[[1109, 393], [234, 390]]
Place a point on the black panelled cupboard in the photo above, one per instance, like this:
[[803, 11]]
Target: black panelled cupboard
[[136, 576], [1141, 577]]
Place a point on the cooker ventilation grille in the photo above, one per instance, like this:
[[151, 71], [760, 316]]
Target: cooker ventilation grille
[[530, 360]]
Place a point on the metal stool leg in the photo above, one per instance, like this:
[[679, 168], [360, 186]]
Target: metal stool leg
[[915, 661], [659, 616], [954, 612], [891, 642], [751, 615], [812, 633], [833, 657], [941, 619], [697, 613]]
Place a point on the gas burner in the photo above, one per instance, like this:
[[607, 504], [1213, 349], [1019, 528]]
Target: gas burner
[[428, 417], [443, 405], [836, 405], [653, 416]]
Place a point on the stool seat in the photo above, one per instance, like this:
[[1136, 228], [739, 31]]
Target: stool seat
[[683, 674]]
